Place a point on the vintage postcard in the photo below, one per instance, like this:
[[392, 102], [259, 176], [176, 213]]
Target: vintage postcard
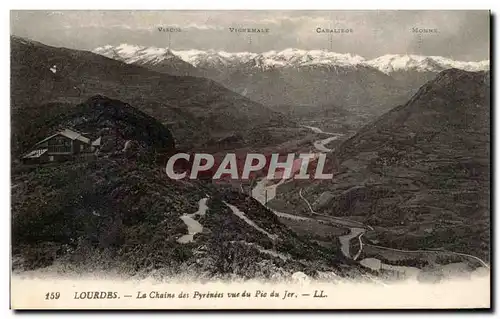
[[250, 159]]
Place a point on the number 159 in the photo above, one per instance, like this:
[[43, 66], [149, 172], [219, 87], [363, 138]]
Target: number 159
[[52, 295]]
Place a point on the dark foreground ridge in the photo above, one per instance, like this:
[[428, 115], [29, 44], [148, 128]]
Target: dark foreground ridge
[[116, 211]]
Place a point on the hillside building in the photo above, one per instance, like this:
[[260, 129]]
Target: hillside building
[[61, 146]]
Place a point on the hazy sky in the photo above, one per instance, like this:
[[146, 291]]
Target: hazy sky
[[462, 35]]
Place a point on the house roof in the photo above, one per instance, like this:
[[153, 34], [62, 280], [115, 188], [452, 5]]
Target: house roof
[[36, 153], [97, 142], [72, 135], [75, 136]]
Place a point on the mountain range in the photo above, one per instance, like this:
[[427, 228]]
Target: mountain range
[[290, 79], [288, 58]]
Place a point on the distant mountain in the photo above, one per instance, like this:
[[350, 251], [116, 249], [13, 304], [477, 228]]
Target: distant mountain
[[290, 77], [157, 59], [403, 62], [299, 77], [196, 109], [289, 58], [420, 174], [412, 71]]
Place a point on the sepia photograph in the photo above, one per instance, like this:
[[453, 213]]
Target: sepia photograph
[[250, 159]]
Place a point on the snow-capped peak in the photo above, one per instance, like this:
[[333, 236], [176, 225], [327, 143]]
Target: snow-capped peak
[[211, 58], [398, 62], [214, 58], [288, 58], [303, 57], [134, 53]]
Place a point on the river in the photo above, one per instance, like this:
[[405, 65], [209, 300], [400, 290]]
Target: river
[[265, 190]]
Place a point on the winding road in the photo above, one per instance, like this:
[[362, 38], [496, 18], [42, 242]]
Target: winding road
[[357, 229], [359, 232], [194, 227]]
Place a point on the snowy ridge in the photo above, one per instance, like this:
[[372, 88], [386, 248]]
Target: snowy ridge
[[135, 54], [212, 58], [288, 58], [398, 62]]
